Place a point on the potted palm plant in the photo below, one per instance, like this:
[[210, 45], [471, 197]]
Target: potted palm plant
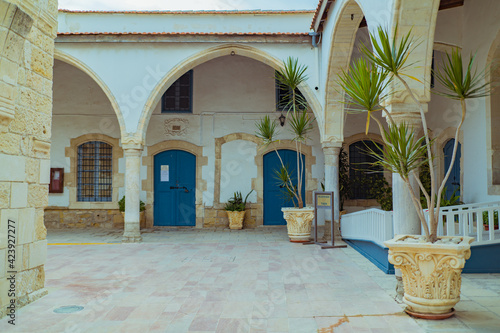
[[298, 218], [431, 266], [235, 209]]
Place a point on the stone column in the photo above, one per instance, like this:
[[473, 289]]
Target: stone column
[[133, 152], [405, 215], [405, 218], [331, 151]]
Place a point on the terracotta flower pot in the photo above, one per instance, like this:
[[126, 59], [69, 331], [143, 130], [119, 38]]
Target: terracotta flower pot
[[236, 219], [298, 223], [431, 272]]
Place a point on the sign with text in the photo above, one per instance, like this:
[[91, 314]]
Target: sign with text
[[164, 173], [323, 201]]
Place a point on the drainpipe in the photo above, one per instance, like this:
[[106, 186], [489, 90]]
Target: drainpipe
[[314, 41]]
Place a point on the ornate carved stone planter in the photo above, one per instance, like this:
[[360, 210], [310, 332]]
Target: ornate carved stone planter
[[298, 223], [235, 219], [431, 272]]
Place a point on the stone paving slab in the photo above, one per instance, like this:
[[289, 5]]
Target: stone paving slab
[[192, 280]]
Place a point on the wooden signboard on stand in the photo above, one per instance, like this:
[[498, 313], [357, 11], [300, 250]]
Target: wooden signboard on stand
[[324, 201]]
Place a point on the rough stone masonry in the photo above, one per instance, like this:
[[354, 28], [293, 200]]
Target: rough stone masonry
[[27, 32]]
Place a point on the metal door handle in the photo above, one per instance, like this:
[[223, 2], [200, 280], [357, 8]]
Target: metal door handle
[[179, 187]]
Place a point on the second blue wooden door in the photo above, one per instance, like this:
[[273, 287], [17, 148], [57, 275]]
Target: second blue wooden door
[[274, 198], [175, 187], [453, 182]]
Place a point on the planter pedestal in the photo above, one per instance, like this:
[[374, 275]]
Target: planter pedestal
[[431, 272], [236, 219], [298, 223]]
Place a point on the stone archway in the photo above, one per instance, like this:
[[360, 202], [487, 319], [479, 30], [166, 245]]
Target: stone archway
[[342, 42], [62, 56], [212, 53], [493, 118]]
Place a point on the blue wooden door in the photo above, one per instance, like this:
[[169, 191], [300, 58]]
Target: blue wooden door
[[174, 191], [274, 198], [453, 182]]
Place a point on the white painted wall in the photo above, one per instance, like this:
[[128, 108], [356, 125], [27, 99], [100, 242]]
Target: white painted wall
[[480, 28], [230, 94], [185, 22], [80, 107], [238, 169]]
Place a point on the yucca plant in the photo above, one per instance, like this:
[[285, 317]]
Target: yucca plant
[[371, 79], [290, 76]]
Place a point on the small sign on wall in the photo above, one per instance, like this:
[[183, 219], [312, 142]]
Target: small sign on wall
[[164, 173], [56, 184]]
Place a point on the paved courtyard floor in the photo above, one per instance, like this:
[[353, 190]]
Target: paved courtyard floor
[[188, 280]]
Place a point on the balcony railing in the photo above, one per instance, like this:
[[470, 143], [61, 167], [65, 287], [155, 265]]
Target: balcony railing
[[479, 220]]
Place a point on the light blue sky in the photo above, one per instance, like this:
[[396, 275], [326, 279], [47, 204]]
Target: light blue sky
[[186, 4]]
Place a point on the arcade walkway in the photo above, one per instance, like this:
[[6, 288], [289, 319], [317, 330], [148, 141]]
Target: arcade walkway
[[228, 281]]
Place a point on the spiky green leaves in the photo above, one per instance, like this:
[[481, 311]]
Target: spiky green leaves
[[459, 83], [290, 77], [365, 86], [300, 124], [266, 130], [404, 154], [390, 54]]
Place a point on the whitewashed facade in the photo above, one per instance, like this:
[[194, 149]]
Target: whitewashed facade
[[111, 70]]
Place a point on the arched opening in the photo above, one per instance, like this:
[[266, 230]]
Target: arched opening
[[227, 96], [82, 113], [228, 51], [494, 115], [342, 45]]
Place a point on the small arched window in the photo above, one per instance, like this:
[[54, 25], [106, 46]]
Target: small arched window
[[95, 171], [361, 171]]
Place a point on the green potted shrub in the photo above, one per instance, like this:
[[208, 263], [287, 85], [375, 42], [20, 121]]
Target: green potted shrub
[[298, 218], [486, 220], [235, 208], [431, 266], [142, 209]]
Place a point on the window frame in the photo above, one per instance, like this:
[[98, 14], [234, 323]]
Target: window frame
[[97, 180], [379, 172], [163, 110], [278, 98]]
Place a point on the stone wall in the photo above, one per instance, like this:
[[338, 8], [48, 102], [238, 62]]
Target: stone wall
[[62, 217], [27, 32], [217, 218]]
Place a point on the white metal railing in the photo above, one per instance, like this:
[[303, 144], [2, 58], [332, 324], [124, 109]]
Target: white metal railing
[[464, 220], [474, 220], [371, 224]]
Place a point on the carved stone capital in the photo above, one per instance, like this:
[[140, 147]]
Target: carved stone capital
[[298, 222], [132, 141], [431, 272]]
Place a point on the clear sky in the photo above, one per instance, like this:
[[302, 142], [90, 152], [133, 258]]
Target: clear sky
[[186, 4]]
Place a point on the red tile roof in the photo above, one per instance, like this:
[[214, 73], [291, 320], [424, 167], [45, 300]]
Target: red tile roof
[[323, 14], [316, 13], [301, 34], [189, 11]]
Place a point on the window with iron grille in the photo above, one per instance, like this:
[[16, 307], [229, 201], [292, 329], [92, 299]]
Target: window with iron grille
[[179, 97], [361, 172], [284, 96], [95, 171]]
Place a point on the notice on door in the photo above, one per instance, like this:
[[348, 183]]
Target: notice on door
[[164, 173]]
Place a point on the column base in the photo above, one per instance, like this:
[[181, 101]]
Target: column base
[[131, 239]]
